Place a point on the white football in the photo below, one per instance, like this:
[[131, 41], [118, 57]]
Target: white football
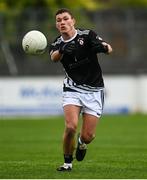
[[34, 42]]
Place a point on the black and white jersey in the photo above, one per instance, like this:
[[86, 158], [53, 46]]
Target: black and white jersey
[[82, 69]]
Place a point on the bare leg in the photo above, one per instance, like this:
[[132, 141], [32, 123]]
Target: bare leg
[[88, 127], [87, 135], [71, 121]]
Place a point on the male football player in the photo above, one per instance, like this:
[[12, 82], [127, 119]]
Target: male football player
[[83, 86]]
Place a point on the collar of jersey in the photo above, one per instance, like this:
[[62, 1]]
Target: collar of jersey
[[70, 38]]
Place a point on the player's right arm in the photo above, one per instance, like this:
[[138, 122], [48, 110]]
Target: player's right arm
[[57, 51], [55, 55], [54, 50]]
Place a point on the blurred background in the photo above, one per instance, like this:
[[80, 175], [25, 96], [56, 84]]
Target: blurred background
[[32, 85], [31, 91]]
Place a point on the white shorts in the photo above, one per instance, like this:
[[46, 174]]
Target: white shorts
[[91, 103]]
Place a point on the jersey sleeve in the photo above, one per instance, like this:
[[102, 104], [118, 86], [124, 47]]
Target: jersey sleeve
[[96, 43], [55, 45]]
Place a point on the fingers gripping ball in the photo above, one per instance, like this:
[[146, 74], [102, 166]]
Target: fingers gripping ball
[[34, 42]]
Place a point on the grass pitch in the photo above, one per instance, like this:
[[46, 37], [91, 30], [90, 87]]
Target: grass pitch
[[32, 149]]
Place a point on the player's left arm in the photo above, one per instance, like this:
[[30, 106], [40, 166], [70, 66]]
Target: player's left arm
[[108, 47], [98, 45]]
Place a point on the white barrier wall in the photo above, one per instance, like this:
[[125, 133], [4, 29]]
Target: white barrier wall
[[30, 96], [141, 94], [120, 94], [43, 95]]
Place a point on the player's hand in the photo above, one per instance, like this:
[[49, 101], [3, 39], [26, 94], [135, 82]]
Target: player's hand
[[67, 48], [101, 47], [98, 47], [107, 47]]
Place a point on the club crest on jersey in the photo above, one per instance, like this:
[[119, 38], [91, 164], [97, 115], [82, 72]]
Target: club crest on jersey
[[81, 41]]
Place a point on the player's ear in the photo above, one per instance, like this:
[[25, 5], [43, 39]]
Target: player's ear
[[57, 26], [74, 21]]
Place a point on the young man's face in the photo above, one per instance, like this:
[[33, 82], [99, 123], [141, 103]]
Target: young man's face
[[64, 22]]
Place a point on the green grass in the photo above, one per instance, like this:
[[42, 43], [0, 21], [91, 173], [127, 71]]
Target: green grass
[[32, 149]]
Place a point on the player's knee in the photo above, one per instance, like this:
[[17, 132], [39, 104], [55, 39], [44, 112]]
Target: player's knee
[[70, 130], [87, 137]]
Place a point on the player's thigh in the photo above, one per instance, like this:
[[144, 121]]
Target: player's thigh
[[89, 124], [71, 113]]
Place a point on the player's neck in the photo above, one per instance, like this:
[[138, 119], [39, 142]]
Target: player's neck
[[69, 35]]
